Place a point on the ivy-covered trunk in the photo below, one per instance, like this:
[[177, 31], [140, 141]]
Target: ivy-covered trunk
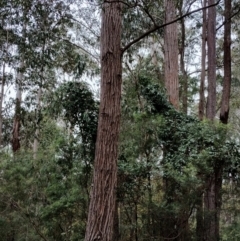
[[100, 224]]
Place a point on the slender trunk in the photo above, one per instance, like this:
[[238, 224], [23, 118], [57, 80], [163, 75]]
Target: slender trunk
[[227, 64], [154, 55], [171, 54], [2, 87], [210, 199], [17, 116], [201, 113], [39, 95], [184, 92], [199, 219], [224, 104], [203, 65], [149, 221], [211, 43], [136, 221], [1, 103], [100, 222], [36, 135], [19, 81]]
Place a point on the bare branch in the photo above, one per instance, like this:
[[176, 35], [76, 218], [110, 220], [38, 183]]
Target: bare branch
[[150, 16], [224, 22], [80, 47]]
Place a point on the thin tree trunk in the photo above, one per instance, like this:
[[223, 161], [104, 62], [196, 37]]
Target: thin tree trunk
[[19, 81], [171, 54], [101, 214], [36, 135], [184, 92], [210, 213], [227, 64], [1, 104], [211, 43], [199, 219], [2, 88], [201, 111], [136, 221], [17, 116], [224, 113], [154, 46]]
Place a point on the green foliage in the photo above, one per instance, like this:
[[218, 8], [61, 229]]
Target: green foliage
[[166, 156], [45, 197], [74, 102]]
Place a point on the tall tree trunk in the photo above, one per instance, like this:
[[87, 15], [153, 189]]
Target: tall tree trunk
[[3, 80], [211, 43], [184, 89], [227, 64], [36, 135], [1, 103], [210, 205], [100, 222], [17, 116], [201, 111], [224, 103], [171, 54], [19, 81]]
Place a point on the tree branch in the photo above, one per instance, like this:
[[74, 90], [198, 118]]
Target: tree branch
[[128, 5], [224, 22], [155, 28], [80, 47]]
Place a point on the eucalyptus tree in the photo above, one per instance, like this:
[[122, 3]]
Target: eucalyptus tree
[[103, 197], [201, 110], [171, 54], [43, 49]]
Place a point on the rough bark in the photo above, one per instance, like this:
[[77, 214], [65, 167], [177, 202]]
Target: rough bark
[[201, 111], [184, 92], [227, 64], [211, 43], [171, 54], [211, 231], [100, 222], [224, 105]]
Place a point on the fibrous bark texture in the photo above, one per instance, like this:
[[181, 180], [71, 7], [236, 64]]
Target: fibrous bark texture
[[227, 64], [100, 223], [171, 54], [211, 43], [203, 65], [211, 231]]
